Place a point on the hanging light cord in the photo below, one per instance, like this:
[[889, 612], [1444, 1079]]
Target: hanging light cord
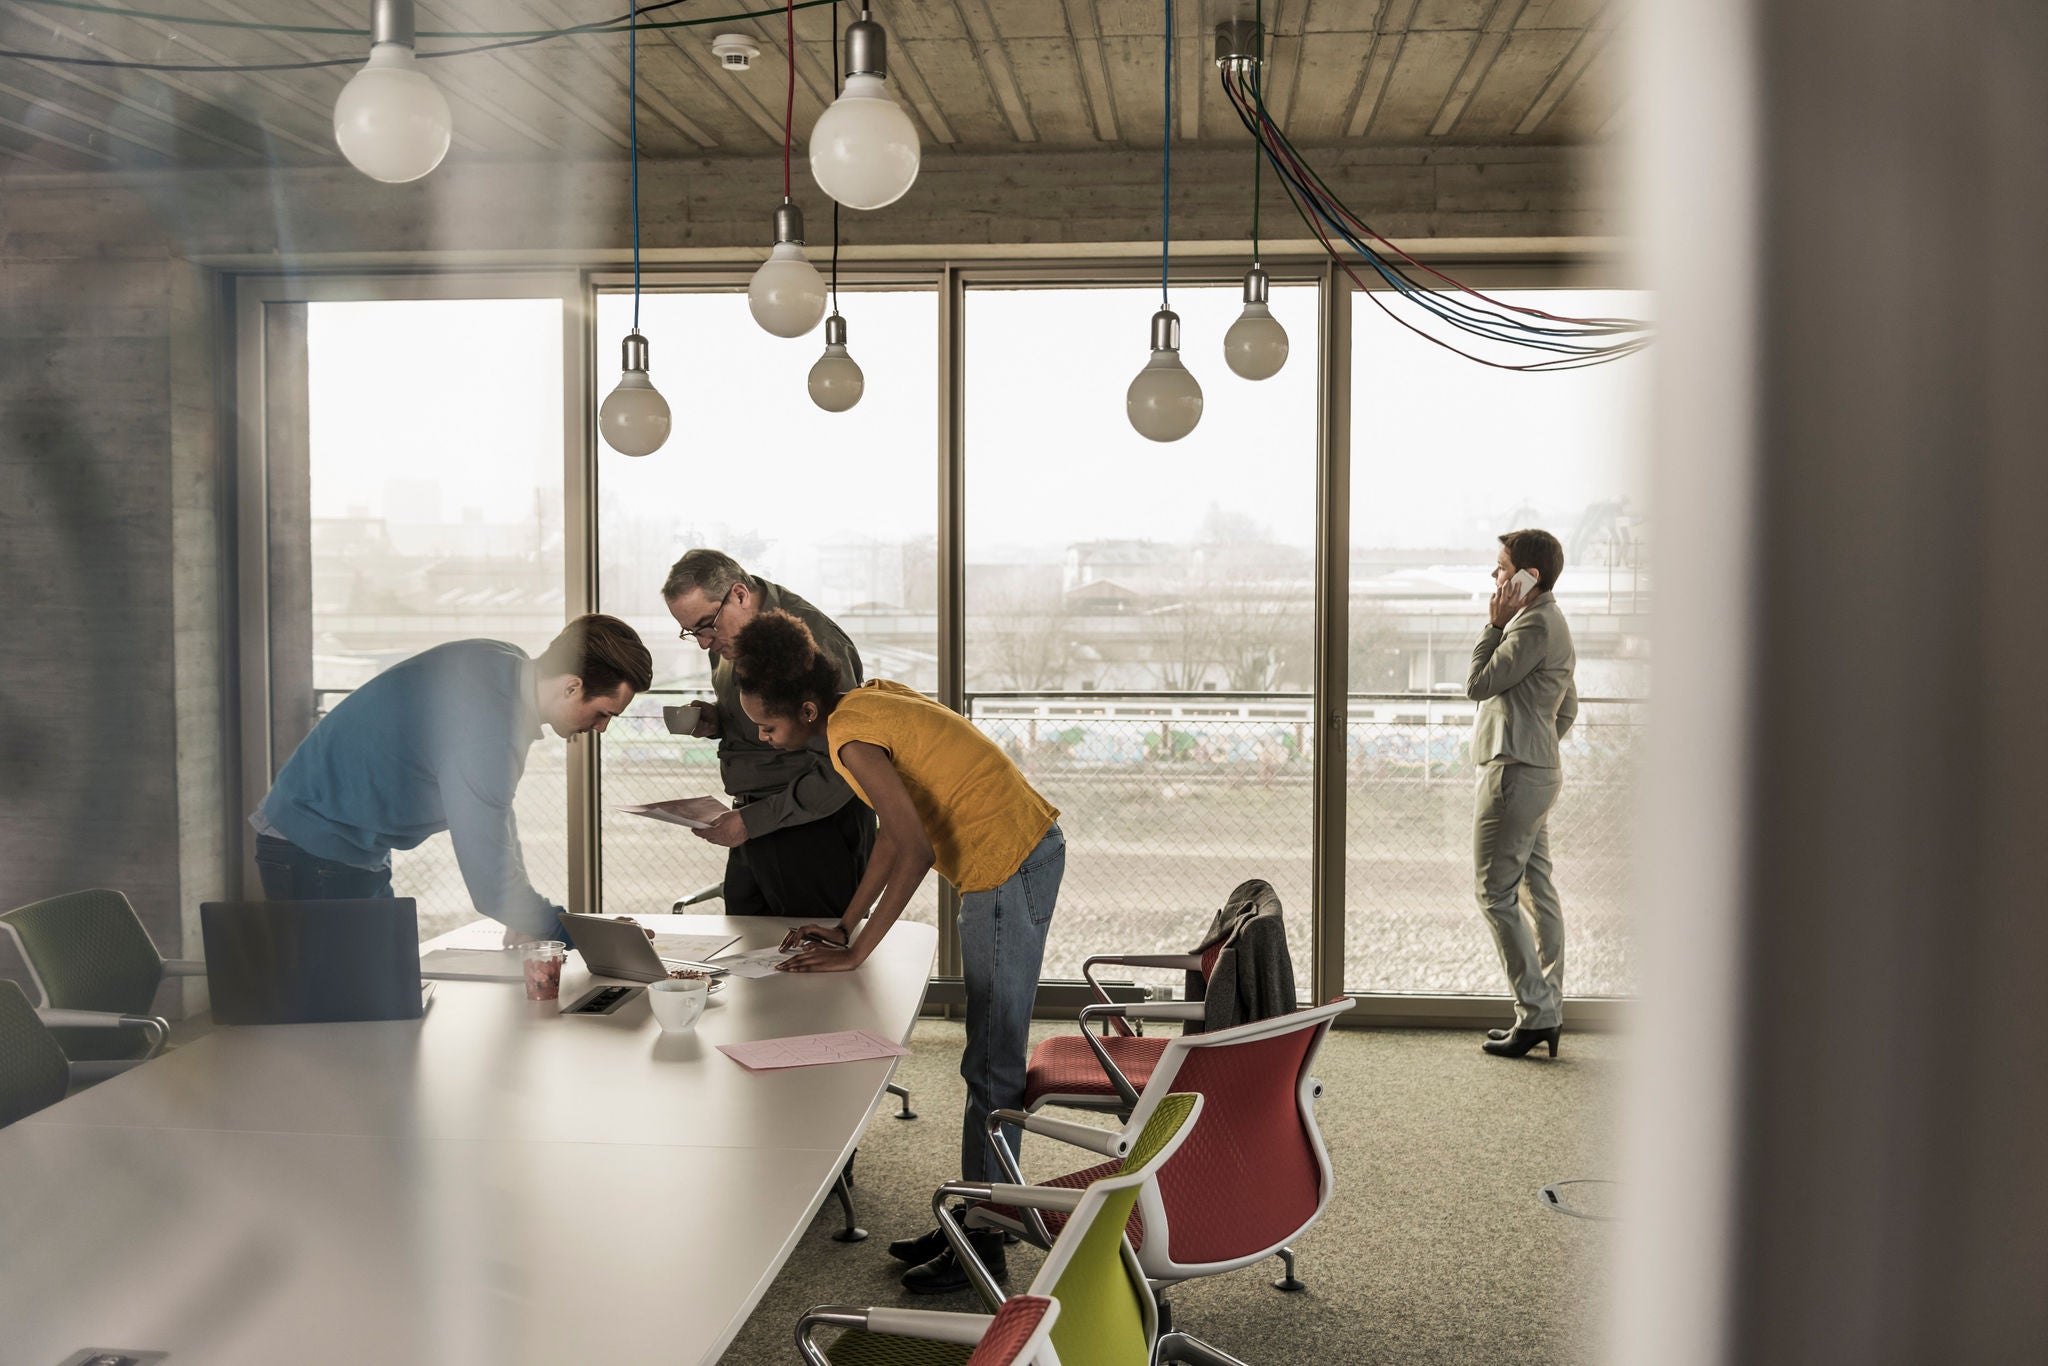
[[1166, 178], [789, 102], [1258, 152], [633, 143], [835, 203]]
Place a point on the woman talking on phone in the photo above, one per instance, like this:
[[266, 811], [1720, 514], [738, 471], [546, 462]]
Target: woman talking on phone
[[1521, 677], [946, 797]]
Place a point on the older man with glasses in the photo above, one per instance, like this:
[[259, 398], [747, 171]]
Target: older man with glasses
[[797, 839]]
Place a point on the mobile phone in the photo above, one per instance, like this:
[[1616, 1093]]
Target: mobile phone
[[682, 720], [1522, 584]]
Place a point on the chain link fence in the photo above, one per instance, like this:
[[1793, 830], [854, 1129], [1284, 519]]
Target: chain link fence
[[1168, 803]]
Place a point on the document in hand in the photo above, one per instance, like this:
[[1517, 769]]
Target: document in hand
[[810, 1050], [693, 812]]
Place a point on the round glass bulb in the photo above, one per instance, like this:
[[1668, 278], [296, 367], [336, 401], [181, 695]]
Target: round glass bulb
[[634, 417], [1255, 347], [864, 150], [787, 295], [391, 121], [836, 380], [1164, 402]]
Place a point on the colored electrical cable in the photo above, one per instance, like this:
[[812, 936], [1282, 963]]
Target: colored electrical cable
[[1166, 175], [332, 30], [1573, 342]]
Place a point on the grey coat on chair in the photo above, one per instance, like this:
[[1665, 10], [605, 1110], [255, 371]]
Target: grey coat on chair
[[1254, 974]]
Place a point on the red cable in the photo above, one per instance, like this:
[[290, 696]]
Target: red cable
[[789, 104]]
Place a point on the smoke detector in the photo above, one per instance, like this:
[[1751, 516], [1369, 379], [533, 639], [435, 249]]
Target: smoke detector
[[735, 51]]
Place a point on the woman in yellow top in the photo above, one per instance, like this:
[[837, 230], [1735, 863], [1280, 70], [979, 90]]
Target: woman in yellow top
[[948, 798]]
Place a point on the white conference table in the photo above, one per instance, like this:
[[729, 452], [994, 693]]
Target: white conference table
[[492, 1183]]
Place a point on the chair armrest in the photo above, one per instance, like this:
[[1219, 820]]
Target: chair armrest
[[184, 967], [1147, 1010], [825, 1316], [1191, 962], [60, 1018], [1108, 1142], [1061, 1198], [933, 1325]]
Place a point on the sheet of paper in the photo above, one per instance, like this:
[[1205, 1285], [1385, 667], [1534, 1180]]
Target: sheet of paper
[[698, 947], [468, 965], [752, 963], [691, 812], [811, 1050]]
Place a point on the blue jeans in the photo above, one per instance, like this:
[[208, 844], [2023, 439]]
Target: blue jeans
[[1002, 940], [289, 873]]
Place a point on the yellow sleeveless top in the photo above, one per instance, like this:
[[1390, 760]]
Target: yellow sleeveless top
[[979, 813]]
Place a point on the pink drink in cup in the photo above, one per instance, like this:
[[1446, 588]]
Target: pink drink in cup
[[543, 963]]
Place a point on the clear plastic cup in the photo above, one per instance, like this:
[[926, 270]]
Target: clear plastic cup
[[543, 963]]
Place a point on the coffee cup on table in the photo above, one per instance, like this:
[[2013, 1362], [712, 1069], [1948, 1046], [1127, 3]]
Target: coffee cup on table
[[677, 1002]]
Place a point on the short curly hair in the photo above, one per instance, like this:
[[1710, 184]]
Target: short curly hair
[[776, 658]]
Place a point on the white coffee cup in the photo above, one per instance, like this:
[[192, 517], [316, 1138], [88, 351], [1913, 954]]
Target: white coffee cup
[[677, 1004]]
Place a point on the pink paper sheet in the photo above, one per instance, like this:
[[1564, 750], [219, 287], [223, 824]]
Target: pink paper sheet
[[811, 1050]]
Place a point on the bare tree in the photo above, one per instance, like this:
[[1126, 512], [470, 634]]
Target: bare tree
[[1025, 643]]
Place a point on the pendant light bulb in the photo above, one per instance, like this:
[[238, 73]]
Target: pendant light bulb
[[864, 149], [391, 121], [634, 417], [1255, 347], [1164, 402], [787, 295], [836, 380]]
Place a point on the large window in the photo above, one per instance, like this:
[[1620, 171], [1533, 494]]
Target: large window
[[433, 443], [1140, 617], [841, 508], [1446, 455]]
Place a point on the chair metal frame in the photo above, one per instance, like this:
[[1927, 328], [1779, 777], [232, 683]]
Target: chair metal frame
[[157, 1027], [1082, 1207], [1155, 1251]]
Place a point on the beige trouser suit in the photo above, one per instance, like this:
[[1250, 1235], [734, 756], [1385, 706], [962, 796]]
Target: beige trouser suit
[[1522, 680]]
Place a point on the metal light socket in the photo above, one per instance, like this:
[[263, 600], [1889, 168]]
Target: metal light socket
[[789, 224], [391, 21], [835, 331], [1255, 283], [1240, 43], [633, 352], [867, 47], [1166, 330]]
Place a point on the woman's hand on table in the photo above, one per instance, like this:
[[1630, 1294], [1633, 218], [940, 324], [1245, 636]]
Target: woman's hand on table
[[823, 958], [835, 935]]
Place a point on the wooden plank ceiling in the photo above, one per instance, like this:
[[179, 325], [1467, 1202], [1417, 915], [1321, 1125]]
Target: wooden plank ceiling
[[976, 75]]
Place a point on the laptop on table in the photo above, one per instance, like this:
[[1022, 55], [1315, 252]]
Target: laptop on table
[[621, 949], [307, 962]]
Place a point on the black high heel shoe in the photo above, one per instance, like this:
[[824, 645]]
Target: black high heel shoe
[[1520, 1042], [1498, 1033]]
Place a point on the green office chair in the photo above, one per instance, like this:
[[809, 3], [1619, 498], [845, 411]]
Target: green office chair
[[97, 972], [33, 1072], [1108, 1316]]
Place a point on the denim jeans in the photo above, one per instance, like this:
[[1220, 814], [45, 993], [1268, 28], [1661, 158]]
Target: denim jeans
[[1002, 940], [289, 873]]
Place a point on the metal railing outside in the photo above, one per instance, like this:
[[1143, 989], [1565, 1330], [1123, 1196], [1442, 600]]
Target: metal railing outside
[[1168, 801]]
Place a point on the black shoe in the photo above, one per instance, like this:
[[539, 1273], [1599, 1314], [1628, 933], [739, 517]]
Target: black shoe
[[943, 1274], [1497, 1034], [1520, 1041], [920, 1249]]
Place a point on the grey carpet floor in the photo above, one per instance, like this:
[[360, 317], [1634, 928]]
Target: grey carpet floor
[[1435, 1247]]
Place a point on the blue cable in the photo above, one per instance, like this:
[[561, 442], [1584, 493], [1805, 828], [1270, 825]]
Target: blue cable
[[633, 142]]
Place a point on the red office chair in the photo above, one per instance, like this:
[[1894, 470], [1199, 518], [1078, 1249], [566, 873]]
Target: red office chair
[[1086, 1072], [1249, 1181]]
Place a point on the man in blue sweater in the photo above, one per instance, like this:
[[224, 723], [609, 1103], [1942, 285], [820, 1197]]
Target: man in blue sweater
[[439, 743]]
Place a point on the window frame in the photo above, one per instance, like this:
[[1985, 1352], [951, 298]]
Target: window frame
[[586, 367]]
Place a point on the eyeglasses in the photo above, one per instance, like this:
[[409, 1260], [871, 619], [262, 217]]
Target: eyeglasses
[[709, 623]]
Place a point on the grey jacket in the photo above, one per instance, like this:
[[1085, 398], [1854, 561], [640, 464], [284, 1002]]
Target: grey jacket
[[1254, 974], [1522, 680], [781, 788]]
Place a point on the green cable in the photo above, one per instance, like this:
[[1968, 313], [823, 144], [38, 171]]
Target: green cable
[[618, 25]]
